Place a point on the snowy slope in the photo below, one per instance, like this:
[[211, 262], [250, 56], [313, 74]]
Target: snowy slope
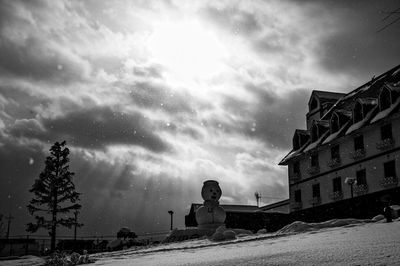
[[335, 242], [352, 243]]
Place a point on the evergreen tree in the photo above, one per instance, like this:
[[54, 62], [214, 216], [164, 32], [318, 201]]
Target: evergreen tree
[[54, 193]]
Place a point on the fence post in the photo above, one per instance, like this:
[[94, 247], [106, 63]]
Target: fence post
[[27, 245]]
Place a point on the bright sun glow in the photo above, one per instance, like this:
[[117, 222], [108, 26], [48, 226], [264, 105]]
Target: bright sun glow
[[187, 49]]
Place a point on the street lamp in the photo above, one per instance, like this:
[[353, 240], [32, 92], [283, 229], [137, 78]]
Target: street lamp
[[351, 181], [172, 214]]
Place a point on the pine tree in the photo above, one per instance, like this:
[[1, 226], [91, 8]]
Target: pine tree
[[54, 193]]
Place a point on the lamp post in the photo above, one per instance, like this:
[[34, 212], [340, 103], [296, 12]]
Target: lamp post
[[351, 181], [172, 215]]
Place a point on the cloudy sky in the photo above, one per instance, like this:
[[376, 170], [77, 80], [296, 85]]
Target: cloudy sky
[[154, 97]]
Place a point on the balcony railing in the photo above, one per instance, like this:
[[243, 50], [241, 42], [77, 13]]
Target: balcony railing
[[295, 177], [297, 205], [361, 189], [315, 201], [389, 181], [357, 154], [385, 144], [313, 169], [337, 195], [334, 162]]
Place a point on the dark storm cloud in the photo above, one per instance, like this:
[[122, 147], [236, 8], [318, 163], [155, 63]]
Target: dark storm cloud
[[157, 96], [93, 128], [272, 118], [33, 59], [356, 46], [27, 51], [20, 165]]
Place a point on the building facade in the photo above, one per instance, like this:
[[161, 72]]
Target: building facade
[[347, 161]]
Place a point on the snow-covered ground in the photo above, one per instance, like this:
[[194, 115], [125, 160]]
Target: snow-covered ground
[[336, 242]]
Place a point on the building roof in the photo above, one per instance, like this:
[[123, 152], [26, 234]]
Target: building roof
[[366, 94], [229, 208], [327, 94], [275, 205]]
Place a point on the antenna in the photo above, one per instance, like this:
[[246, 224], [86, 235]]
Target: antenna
[[258, 197]]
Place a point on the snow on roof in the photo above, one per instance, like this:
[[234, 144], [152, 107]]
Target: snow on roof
[[327, 94], [302, 131], [337, 133], [293, 153], [368, 101], [384, 113], [316, 143], [362, 122]]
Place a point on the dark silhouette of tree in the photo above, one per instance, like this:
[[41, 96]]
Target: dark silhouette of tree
[[126, 233], [54, 193]]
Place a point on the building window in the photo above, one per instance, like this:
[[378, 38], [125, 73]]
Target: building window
[[297, 195], [335, 154], [359, 143], [316, 191], [390, 169], [337, 184], [361, 177], [357, 113], [334, 123], [314, 133], [386, 132], [314, 160], [296, 167], [384, 99]]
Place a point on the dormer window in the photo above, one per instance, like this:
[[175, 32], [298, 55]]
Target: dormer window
[[357, 113], [313, 104], [335, 123], [385, 99]]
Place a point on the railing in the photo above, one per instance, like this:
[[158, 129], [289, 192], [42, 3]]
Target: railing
[[361, 189], [315, 201], [297, 205], [334, 162], [389, 181], [357, 154], [313, 169], [385, 144], [337, 195]]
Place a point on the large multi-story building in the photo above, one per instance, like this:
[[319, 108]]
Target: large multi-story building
[[346, 163]]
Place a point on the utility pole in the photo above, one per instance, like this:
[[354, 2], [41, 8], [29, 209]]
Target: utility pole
[[172, 214]]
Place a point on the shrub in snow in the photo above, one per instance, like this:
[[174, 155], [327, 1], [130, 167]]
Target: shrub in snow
[[62, 259], [229, 235], [377, 218], [262, 231], [395, 211]]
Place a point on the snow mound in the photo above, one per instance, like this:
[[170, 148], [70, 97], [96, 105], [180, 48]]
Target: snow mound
[[299, 226]]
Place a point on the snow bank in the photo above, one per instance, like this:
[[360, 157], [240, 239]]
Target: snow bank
[[298, 226], [23, 261]]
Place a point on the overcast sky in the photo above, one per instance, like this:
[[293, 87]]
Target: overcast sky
[[154, 97]]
